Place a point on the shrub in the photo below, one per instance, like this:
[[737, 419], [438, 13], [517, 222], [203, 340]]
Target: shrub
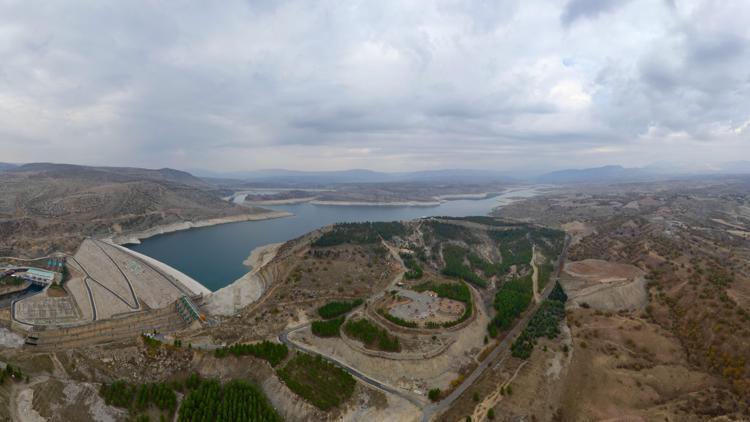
[[558, 294], [415, 270]]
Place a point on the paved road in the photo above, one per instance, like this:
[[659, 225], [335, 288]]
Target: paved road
[[413, 398], [434, 409], [431, 410]]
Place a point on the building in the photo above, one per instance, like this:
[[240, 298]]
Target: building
[[38, 276]]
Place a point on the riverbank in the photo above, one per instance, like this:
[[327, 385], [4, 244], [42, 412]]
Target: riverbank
[[482, 195], [215, 255], [289, 201], [248, 288], [136, 237], [434, 202], [379, 204]]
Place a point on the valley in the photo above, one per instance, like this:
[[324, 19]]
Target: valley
[[540, 310]]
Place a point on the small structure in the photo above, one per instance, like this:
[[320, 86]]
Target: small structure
[[37, 276], [188, 310]]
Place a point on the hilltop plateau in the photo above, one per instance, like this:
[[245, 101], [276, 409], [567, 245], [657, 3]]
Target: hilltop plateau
[[48, 208]]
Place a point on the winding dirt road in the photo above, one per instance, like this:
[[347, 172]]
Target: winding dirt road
[[435, 409]]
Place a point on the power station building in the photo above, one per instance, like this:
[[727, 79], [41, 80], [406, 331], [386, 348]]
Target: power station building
[[37, 276]]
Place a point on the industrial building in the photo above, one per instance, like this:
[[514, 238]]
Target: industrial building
[[37, 276]]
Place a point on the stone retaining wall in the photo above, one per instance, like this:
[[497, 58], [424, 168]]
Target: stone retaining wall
[[356, 346], [116, 329]]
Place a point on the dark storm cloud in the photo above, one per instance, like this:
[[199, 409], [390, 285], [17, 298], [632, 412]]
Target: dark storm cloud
[[392, 84]]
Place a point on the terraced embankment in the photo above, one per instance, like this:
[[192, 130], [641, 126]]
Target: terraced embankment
[[163, 320]]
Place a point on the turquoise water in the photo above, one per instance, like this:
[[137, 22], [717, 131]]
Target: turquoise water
[[214, 255]]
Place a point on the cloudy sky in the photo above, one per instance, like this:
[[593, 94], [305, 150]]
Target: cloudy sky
[[387, 85]]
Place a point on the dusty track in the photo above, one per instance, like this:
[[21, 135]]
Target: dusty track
[[434, 409], [412, 398]]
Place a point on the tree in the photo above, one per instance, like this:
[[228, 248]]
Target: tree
[[434, 394], [491, 414]]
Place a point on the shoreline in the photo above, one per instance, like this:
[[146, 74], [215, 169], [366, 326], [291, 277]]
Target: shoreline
[[290, 201], [435, 202], [379, 204], [246, 289], [135, 238], [458, 196]]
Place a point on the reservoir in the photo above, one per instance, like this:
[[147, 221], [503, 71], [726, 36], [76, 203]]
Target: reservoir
[[214, 255]]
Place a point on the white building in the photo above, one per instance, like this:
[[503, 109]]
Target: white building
[[37, 276]]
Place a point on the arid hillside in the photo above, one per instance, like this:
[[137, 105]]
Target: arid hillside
[[658, 308], [51, 207]]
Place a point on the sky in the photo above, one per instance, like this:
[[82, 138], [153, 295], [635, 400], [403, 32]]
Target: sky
[[390, 85]]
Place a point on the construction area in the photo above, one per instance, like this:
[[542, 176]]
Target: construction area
[[425, 307]]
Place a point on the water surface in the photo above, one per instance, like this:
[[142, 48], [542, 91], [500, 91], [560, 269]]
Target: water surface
[[214, 255]]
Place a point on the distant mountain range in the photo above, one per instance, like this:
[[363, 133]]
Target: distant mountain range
[[7, 166], [658, 171], [605, 174], [292, 177], [203, 178], [597, 174]]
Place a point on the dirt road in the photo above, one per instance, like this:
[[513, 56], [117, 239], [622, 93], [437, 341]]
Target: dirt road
[[412, 398], [435, 409]]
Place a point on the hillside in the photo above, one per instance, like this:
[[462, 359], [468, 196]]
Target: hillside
[[51, 207]]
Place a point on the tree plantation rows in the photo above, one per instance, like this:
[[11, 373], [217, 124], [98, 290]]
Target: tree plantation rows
[[360, 233], [235, 401], [139, 398], [327, 328], [455, 291], [544, 323], [371, 335], [317, 380], [396, 320], [335, 309], [330, 311], [511, 300], [274, 353]]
